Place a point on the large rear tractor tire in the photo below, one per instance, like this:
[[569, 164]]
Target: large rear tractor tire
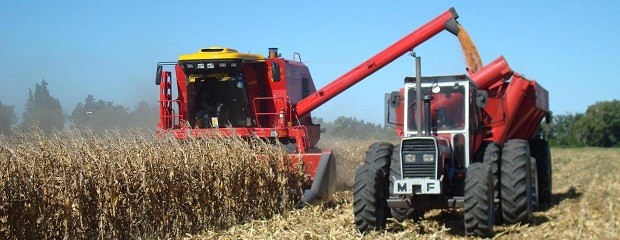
[[490, 153], [400, 214], [535, 202], [516, 182], [479, 207], [540, 151], [371, 188]]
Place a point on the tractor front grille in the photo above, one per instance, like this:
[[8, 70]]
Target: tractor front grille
[[418, 168]]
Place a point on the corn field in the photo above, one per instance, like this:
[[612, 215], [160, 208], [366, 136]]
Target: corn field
[[132, 185]]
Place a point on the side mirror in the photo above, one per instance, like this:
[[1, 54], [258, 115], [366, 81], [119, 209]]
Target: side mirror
[[158, 75], [481, 98], [394, 99]]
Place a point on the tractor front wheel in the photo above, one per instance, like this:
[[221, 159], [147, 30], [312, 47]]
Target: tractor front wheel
[[369, 203], [371, 189]]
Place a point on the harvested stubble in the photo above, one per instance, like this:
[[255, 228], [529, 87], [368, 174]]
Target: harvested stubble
[[586, 199], [79, 185]]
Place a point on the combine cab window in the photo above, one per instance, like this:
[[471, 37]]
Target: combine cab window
[[275, 72], [220, 98], [448, 108]]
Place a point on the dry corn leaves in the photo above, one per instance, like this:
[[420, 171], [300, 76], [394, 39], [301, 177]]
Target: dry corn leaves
[[131, 185], [127, 185]]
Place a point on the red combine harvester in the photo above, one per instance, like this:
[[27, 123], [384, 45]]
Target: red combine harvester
[[221, 92]]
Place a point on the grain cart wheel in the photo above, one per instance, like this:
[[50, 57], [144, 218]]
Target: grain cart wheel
[[535, 203], [489, 152], [540, 151], [369, 200], [400, 214], [479, 207], [516, 188], [371, 190]]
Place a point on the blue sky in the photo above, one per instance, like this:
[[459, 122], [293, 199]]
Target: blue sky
[[110, 48]]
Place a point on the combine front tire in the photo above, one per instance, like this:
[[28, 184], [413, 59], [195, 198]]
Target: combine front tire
[[516, 188], [540, 151], [479, 208]]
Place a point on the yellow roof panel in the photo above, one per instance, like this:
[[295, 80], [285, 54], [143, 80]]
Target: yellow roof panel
[[220, 53]]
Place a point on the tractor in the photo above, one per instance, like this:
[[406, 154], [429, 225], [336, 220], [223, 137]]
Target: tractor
[[468, 141]]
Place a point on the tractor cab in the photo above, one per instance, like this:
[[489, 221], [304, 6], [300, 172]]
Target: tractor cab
[[451, 113], [440, 145]]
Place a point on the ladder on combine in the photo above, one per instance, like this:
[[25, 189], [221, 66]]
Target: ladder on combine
[[168, 116]]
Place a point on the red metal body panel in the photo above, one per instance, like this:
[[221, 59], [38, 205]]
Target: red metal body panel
[[376, 62], [515, 108], [524, 105], [492, 73]]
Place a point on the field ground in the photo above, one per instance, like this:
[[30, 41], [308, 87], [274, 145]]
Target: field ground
[[586, 206]]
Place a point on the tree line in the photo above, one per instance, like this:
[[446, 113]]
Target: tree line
[[44, 112], [599, 126]]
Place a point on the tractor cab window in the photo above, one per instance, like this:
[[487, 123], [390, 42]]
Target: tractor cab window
[[447, 107], [220, 97]]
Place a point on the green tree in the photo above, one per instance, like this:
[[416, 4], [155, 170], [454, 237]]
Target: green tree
[[351, 127], [600, 125], [100, 115], [145, 115], [7, 118], [564, 131], [42, 110]]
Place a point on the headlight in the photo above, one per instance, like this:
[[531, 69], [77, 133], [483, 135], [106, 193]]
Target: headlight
[[200, 66], [210, 65], [428, 157], [189, 65], [409, 158], [221, 65], [233, 64]]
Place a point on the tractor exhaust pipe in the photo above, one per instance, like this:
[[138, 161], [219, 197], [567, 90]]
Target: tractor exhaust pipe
[[427, 113], [418, 92]]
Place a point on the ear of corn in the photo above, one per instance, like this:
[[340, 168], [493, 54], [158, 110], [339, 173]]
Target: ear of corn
[[129, 185]]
